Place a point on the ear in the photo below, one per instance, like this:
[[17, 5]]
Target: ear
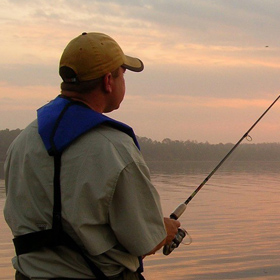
[[107, 83]]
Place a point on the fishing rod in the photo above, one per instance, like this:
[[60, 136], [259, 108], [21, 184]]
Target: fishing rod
[[182, 207]]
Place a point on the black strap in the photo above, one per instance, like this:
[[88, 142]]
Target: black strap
[[61, 236], [70, 243], [47, 238], [56, 222], [56, 236], [33, 241]]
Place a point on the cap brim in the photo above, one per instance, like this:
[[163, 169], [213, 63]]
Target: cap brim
[[134, 64]]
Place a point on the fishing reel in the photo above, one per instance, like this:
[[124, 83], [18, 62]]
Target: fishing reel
[[167, 249]]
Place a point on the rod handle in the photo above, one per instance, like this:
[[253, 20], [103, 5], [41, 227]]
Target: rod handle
[[178, 211]]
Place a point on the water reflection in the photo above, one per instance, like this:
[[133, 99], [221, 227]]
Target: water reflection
[[233, 220], [205, 167]]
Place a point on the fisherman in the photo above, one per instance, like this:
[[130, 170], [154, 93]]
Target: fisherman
[[80, 202]]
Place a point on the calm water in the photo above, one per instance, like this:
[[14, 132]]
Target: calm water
[[234, 223]]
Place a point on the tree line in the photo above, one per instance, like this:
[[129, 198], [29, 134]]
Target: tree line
[[170, 150], [174, 150]]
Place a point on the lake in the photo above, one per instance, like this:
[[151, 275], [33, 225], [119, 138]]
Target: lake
[[233, 221]]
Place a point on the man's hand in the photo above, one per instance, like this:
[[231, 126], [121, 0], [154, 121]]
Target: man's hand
[[171, 227]]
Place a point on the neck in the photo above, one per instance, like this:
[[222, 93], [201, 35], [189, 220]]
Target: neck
[[92, 99]]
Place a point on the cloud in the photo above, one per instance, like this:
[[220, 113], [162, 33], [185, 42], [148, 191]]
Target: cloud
[[204, 60], [204, 81], [198, 118], [162, 25], [29, 74]]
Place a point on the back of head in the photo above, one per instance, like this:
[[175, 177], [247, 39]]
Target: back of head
[[91, 56]]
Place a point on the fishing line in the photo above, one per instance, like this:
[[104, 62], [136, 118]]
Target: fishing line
[[182, 207]]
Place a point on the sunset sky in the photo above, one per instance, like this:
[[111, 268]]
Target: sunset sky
[[211, 67]]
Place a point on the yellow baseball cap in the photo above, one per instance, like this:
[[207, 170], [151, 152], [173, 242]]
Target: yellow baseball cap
[[92, 55]]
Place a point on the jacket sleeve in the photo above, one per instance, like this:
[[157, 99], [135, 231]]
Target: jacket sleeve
[[135, 212]]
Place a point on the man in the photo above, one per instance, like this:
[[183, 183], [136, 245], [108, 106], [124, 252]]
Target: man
[[79, 198]]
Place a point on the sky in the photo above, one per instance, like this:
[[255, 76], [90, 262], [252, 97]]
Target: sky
[[211, 67]]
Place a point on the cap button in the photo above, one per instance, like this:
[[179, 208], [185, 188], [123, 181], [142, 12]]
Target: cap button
[[84, 33]]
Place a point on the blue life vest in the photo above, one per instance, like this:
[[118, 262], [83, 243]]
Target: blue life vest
[[63, 120]]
